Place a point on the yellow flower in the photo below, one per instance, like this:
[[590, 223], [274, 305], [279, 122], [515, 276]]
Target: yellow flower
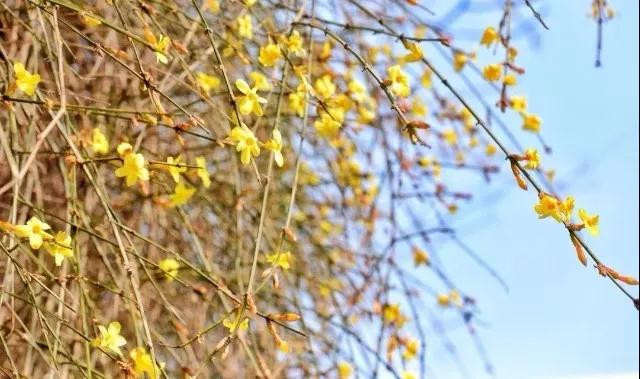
[[249, 3], [275, 145], [548, 206], [450, 136], [207, 82], [212, 5], [297, 100], [269, 54], [357, 91], [25, 81], [34, 229], [161, 48], [510, 80], [443, 300], [143, 364], [133, 168], [566, 208], [344, 370], [420, 257], [326, 126], [170, 268], [590, 222], [282, 260], [124, 148], [418, 108], [294, 43], [531, 122], [415, 52], [533, 158], [492, 72], [245, 29], [489, 36], [408, 375], [324, 86], [411, 348], [490, 149], [60, 247], [399, 81], [518, 103], [246, 143], [110, 338], [230, 323], [89, 20], [181, 194], [259, 81], [202, 172], [99, 142], [459, 61], [250, 101], [175, 167], [425, 79]]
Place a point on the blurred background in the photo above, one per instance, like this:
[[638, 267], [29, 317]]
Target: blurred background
[[558, 319]]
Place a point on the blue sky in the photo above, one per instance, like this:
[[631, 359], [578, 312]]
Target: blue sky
[[560, 320]]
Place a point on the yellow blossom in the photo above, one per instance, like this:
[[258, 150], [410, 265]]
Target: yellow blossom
[[408, 375], [294, 43], [518, 103], [250, 101], [533, 159], [509, 80], [143, 364], [202, 172], [450, 136], [324, 86], [492, 72], [566, 208], [26, 81], [89, 20], [181, 194], [124, 148], [590, 222], [259, 81], [344, 370], [531, 122], [326, 126], [357, 91], [99, 142], [35, 230], [207, 82], [230, 323], [60, 247], [490, 149], [489, 36], [415, 52], [161, 48], [245, 29], [297, 102], [110, 338], [175, 167], [246, 143], [275, 145], [459, 61], [420, 257], [282, 260], [411, 348], [133, 168], [269, 54], [212, 5], [425, 79], [399, 81], [548, 206], [169, 267]]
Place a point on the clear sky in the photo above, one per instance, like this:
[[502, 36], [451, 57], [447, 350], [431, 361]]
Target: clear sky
[[559, 319]]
